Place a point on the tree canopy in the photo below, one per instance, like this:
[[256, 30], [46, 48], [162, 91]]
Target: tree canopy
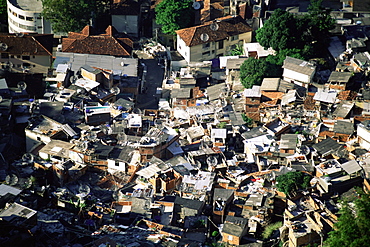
[[174, 15], [353, 226], [72, 15], [252, 71], [3, 11], [292, 181], [284, 31], [291, 35]]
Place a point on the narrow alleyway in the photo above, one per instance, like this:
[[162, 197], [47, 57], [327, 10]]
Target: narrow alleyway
[[154, 77]]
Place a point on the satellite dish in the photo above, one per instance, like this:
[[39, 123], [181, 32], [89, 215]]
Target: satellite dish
[[83, 146], [203, 145], [11, 179], [26, 183], [21, 85], [107, 130], [116, 195], [204, 37], [122, 138], [197, 5], [115, 90], [83, 190], [9, 65], [212, 161], [198, 164], [137, 111], [92, 135], [214, 26], [27, 157], [3, 46], [158, 123]]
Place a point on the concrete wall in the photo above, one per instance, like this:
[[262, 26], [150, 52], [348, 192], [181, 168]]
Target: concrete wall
[[202, 52], [36, 64], [26, 21], [126, 24]]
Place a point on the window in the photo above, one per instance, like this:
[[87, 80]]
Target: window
[[4, 55], [29, 18], [21, 17], [26, 58], [207, 53], [11, 56], [221, 44], [207, 45], [26, 65], [230, 237], [235, 37], [18, 65], [18, 56]]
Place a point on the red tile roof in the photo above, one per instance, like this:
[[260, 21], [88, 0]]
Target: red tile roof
[[89, 42], [28, 44], [226, 27]]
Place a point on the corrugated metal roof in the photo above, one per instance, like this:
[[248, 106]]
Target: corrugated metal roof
[[325, 95], [68, 129], [6, 189], [351, 166], [255, 91]]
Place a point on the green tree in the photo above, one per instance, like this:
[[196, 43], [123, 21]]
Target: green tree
[[282, 31], [248, 121], [237, 51], [174, 15], [353, 226], [252, 71], [292, 181], [320, 23], [72, 15], [297, 36], [3, 11]]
